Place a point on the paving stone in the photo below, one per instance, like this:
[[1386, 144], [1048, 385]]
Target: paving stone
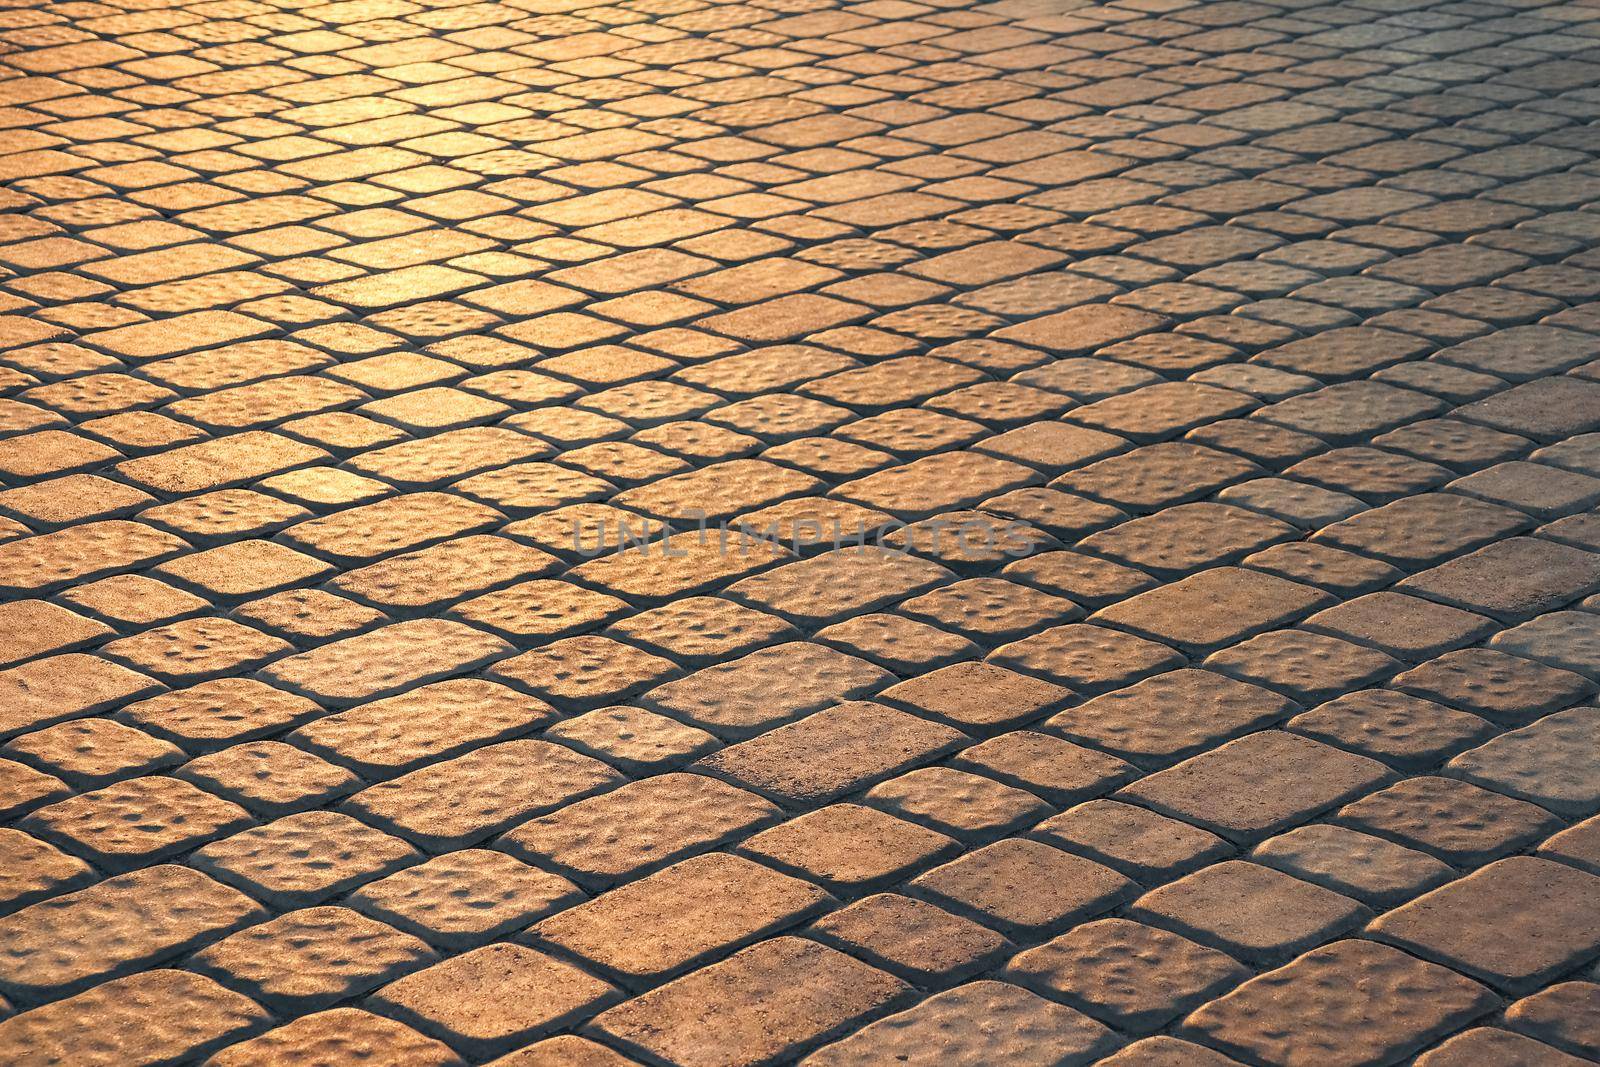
[[423, 724], [1023, 887], [464, 898], [744, 696], [1550, 763], [304, 859], [136, 822], [1372, 870], [902, 645], [216, 713], [1487, 1044], [676, 918], [386, 660], [1167, 1052], [1401, 626], [460, 801], [1249, 911], [976, 697], [1512, 579], [703, 1018], [49, 690], [975, 1022], [831, 753], [1056, 770], [311, 958], [338, 1033], [1462, 823], [1576, 845], [1514, 924], [966, 806], [1564, 1015], [493, 999], [911, 938], [1137, 724], [125, 923], [1421, 530], [849, 848], [145, 1018], [1257, 784], [1350, 1002], [93, 752], [638, 827], [1213, 608], [1492, 684], [838, 584], [1134, 977]]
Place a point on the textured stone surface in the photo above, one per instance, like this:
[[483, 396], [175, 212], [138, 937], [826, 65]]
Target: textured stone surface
[[725, 533], [1515, 923], [1352, 1002], [158, 1016], [339, 1034], [983, 1022], [772, 1000]]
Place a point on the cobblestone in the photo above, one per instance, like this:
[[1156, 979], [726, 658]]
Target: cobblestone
[[698, 534]]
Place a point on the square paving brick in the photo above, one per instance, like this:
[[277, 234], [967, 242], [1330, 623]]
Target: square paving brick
[[1139, 723], [1214, 608], [830, 753], [676, 918], [1459, 822], [1353, 1002], [493, 999], [772, 1001], [1135, 977], [1024, 887], [1514, 924], [1249, 911], [1257, 784], [982, 1021], [849, 848]]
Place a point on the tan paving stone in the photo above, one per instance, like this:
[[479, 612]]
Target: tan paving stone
[[122, 924], [494, 998], [144, 1018], [463, 800], [705, 1017], [339, 1033], [386, 660], [1341, 1004], [311, 958]]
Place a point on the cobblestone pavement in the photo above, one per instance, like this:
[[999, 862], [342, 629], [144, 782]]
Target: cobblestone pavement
[[1218, 382]]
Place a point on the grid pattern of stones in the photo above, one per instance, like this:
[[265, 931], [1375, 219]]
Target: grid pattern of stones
[[1264, 331]]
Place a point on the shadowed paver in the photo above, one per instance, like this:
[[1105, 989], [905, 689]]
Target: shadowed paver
[[701, 533]]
